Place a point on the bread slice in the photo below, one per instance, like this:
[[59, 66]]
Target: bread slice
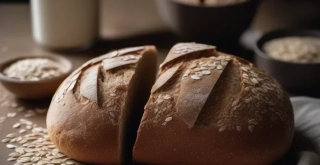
[[208, 108], [96, 111]]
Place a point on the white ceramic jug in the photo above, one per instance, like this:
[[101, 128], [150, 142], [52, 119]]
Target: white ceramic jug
[[65, 24]]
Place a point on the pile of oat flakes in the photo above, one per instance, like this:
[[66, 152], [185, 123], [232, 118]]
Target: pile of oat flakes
[[30, 144]]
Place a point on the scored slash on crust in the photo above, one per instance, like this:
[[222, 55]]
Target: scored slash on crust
[[130, 58], [254, 83]]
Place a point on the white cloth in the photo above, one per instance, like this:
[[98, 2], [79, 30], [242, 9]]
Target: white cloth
[[305, 149]]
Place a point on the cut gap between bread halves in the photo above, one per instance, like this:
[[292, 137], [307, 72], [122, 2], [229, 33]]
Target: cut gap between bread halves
[[95, 113]]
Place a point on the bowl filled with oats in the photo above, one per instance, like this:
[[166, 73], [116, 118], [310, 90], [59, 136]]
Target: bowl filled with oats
[[292, 57], [209, 21], [34, 77]]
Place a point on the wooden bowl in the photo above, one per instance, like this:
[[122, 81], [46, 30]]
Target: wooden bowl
[[207, 23], [35, 89], [297, 78]]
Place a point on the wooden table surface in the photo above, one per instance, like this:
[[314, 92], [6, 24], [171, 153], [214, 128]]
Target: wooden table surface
[[138, 24]]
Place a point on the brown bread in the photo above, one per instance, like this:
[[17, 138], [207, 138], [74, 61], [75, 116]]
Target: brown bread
[[205, 108], [93, 113], [209, 108]]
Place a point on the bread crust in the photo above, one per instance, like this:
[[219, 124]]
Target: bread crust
[[206, 108], [216, 109], [85, 116]]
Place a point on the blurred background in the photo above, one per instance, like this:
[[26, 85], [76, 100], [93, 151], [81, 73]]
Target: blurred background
[[234, 28], [120, 19]]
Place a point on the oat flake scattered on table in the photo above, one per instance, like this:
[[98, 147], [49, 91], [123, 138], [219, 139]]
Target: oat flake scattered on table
[[31, 144], [34, 148], [6, 100]]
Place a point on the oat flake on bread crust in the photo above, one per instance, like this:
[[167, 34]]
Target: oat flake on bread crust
[[93, 113], [213, 108], [254, 86]]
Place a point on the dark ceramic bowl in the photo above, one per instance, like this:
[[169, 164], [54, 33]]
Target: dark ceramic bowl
[[207, 23], [35, 89], [297, 78]]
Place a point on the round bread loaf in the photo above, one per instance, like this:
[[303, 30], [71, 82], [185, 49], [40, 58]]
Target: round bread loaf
[[209, 108], [96, 111], [206, 108]]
